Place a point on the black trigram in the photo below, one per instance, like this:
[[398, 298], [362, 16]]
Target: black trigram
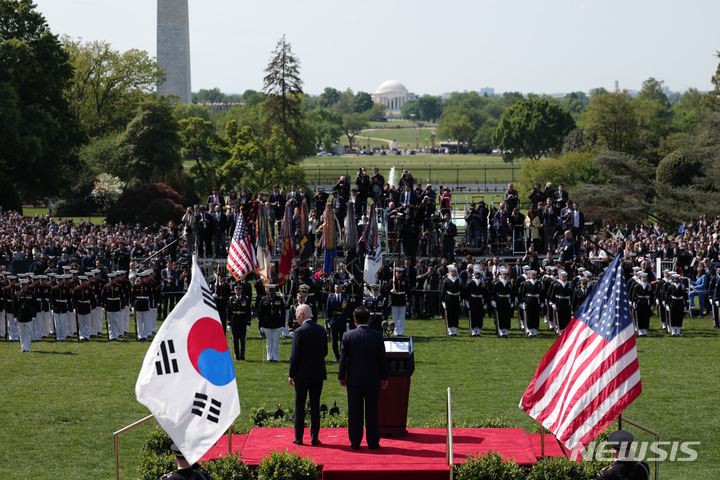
[[166, 364], [208, 298], [200, 404]]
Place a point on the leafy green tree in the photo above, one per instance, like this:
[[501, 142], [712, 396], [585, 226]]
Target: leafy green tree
[[108, 85], [101, 154], [212, 96], [196, 137], [328, 98], [688, 111], [575, 103], [39, 135], [532, 128], [362, 102], [430, 108], [353, 123], [189, 110], [410, 110], [376, 113], [611, 122], [346, 103], [327, 125], [283, 87], [571, 169], [150, 143]]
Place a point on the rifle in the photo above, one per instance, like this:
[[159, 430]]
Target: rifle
[[497, 322]]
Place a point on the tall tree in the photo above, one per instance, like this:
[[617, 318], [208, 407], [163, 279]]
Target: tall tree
[[611, 121], [353, 123], [283, 87], [108, 85], [362, 102], [430, 108], [532, 128], [39, 135], [151, 144]]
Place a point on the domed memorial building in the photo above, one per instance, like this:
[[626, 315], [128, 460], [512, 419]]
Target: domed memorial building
[[393, 95]]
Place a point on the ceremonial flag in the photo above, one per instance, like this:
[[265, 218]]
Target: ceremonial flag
[[288, 250], [306, 246], [241, 257], [591, 372], [264, 244], [329, 241], [373, 251], [187, 379]]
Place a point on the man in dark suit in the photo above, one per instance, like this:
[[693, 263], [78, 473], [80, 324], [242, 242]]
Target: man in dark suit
[[215, 199], [307, 371], [220, 226], [364, 371]]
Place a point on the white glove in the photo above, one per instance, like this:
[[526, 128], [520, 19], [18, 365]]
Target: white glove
[[667, 307], [467, 303], [657, 302], [512, 305], [554, 307], [444, 306], [717, 304], [493, 303], [523, 305], [247, 328]]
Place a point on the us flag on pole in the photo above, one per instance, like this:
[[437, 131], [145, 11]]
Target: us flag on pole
[[241, 257], [591, 372]]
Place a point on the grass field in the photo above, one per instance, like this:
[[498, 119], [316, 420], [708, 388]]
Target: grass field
[[63, 401], [31, 212], [405, 137], [436, 169]]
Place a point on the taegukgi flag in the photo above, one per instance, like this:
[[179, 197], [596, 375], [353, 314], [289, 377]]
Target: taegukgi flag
[[187, 379]]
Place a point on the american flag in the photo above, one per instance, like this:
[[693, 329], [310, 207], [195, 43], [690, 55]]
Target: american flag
[[591, 372], [241, 258]]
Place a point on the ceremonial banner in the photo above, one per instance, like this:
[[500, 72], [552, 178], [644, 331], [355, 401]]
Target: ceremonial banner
[[306, 246], [329, 241], [187, 379], [241, 256], [288, 250], [591, 372], [373, 250], [264, 244]]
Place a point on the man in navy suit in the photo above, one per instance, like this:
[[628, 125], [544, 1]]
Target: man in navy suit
[[307, 371], [364, 371]]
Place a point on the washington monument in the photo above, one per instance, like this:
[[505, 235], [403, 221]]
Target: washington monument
[[173, 48]]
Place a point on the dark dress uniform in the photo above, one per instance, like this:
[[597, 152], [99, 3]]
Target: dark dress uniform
[[293, 309], [625, 470], [643, 297], [24, 312], [502, 296], [239, 310], [660, 288], [561, 296], [475, 294], [222, 296], [450, 296], [533, 296], [578, 297], [113, 299], [675, 299], [336, 313], [84, 299], [60, 302], [378, 311]]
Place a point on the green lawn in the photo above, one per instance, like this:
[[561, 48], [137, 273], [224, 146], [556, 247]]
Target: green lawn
[[405, 137], [63, 401], [31, 212], [436, 169]]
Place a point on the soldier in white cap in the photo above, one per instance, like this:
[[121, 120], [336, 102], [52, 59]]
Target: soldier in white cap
[[502, 302], [24, 313], [476, 295], [451, 290], [660, 287], [560, 296], [643, 299], [625, 467], [271, 317], [532, 296], [676, 299]]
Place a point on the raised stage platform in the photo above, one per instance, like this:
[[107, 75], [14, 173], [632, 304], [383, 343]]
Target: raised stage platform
[[420, 455]]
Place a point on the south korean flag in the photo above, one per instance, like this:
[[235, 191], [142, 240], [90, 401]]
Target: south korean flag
[[188, 379]]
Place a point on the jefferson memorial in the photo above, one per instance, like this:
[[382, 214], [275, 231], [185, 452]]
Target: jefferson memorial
[[393, 95]]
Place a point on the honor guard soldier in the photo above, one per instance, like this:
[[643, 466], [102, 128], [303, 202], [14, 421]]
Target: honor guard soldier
[[221, 294], [625, 467], [113, 298], [660, 287], [60, 305], [24, 313], [302, 299], [580, 293], [643, 299], [502, 302], [239, 311], [560, 300], [84, 299], [532, 296], [141, 298], [126, 286], [451, 291], [155, 298], [36, 290], [377, 306], [271, 317], [475, 295], [337, 315], [398, 300], [97, 316], [676, 299], [3, 285], [13, 332], [47, 317]]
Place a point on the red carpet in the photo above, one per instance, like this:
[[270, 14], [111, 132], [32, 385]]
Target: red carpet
[[420, 455]]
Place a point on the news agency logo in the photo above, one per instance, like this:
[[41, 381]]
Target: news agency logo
[[642, 451]]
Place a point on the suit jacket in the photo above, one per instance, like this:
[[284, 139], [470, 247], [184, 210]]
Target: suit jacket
[[362, 359], [309, 349], [211, 199], [220, 225]]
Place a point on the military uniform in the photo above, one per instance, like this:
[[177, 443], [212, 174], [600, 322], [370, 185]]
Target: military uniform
[[398, 302], [336, 313], [502, 302], [676, 299], [475, 294], [624, 467], [239, 311], [113, 299], [643, 298], [222, 296], [532, 296], [271, 317], [560, 297], [451, 291], [378, 311], [24, 313], [84, 298], [142, 296], [61, 303]]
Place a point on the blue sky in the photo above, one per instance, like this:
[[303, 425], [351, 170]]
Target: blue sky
[[430, 46]]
